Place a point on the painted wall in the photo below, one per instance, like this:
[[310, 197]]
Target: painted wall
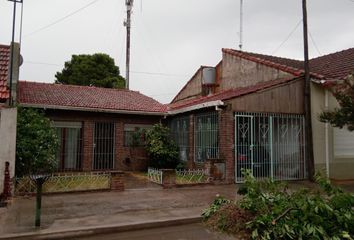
[[287, 98], [239, 72], [8, 120], [340, 167], [192, 89]]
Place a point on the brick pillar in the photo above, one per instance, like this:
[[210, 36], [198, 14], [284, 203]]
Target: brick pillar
[[226, 142], [168, 178], [7, 182], [87, 146], [120, 154], [117, 180]]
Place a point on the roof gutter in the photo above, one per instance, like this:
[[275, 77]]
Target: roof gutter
[[215, 104], [92, 109]]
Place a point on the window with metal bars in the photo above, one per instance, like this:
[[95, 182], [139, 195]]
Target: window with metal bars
[[104, 141], [206, 136], [180, 135]]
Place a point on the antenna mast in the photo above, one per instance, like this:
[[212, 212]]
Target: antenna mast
[[241, 24], [127, 24]]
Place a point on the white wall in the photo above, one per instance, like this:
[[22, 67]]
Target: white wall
[[8, 121]]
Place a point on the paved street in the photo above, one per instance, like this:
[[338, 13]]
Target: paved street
[[184, 232]]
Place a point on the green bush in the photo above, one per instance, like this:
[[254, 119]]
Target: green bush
[[162, 151], [36, 143], [324, 213]]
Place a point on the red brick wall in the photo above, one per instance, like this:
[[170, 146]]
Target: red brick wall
[[138, 157], [226, 142]]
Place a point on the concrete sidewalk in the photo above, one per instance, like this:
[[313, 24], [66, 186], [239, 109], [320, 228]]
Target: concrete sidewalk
[[90, 213]]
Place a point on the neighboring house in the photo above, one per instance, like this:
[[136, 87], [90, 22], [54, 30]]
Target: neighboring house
[[8, 114], [247, 112], [95, 125]]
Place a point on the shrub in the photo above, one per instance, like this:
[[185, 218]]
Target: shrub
[[163, 152], [36, 143], [324, 213]]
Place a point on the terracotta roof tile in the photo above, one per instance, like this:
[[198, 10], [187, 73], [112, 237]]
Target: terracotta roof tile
[[85, 97], [334, 65], [4, 63]]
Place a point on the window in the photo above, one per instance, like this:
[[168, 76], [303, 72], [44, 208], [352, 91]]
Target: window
[[343, 142], [180, 135], [69, 154], [133, 134], [206, 136]]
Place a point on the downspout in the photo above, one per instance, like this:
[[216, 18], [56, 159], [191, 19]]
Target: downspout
[[327, 135]]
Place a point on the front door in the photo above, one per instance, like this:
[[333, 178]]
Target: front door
[[103, 154], [244, 144]]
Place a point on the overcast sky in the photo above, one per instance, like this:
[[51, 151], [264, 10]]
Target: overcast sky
[[170, 38]]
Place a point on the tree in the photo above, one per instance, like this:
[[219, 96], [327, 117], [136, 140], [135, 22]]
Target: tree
[[343, 116], [163, 152], [36, 147], [91, 70]]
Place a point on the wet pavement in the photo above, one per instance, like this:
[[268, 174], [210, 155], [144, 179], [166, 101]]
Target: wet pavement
[[183, 232], [63, 212]]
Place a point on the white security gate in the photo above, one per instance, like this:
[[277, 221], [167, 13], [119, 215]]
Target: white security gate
[[270, 145]]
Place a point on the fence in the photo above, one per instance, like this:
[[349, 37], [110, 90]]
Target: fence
[[178, 176], [66, 182], [270, 145], [191, 176], [155, 175]]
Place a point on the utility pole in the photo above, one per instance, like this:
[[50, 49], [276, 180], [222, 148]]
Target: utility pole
[[127, 24], [241, 24], [307, 99], [12, 49]]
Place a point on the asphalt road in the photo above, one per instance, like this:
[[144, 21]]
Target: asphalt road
[[183, 232]]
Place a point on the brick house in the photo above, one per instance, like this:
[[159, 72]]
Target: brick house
[[95, 125], [247, 112]]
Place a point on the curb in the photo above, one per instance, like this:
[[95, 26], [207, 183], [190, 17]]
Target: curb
[[89, 231]]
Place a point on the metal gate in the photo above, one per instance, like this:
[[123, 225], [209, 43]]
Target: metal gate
[[103, 154], [270, 145]]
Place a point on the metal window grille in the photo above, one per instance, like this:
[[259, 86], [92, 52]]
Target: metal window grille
[[104, 141], [206, 134], [180, 135], [270, 145], [69, 155]]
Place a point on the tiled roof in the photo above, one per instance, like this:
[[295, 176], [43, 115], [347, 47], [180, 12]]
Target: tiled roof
[[87, 98], [335, 65], [4, 61], [229, 94]]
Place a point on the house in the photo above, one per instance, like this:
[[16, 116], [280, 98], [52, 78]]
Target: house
[[248, 112], [8, 114], [95, 125]]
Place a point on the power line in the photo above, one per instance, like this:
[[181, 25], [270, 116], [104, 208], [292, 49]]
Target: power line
[[136, 72], [61, 19], [314, 43], [288, 37]]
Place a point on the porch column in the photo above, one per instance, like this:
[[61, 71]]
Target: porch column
[[88, 129], [227, 142]]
